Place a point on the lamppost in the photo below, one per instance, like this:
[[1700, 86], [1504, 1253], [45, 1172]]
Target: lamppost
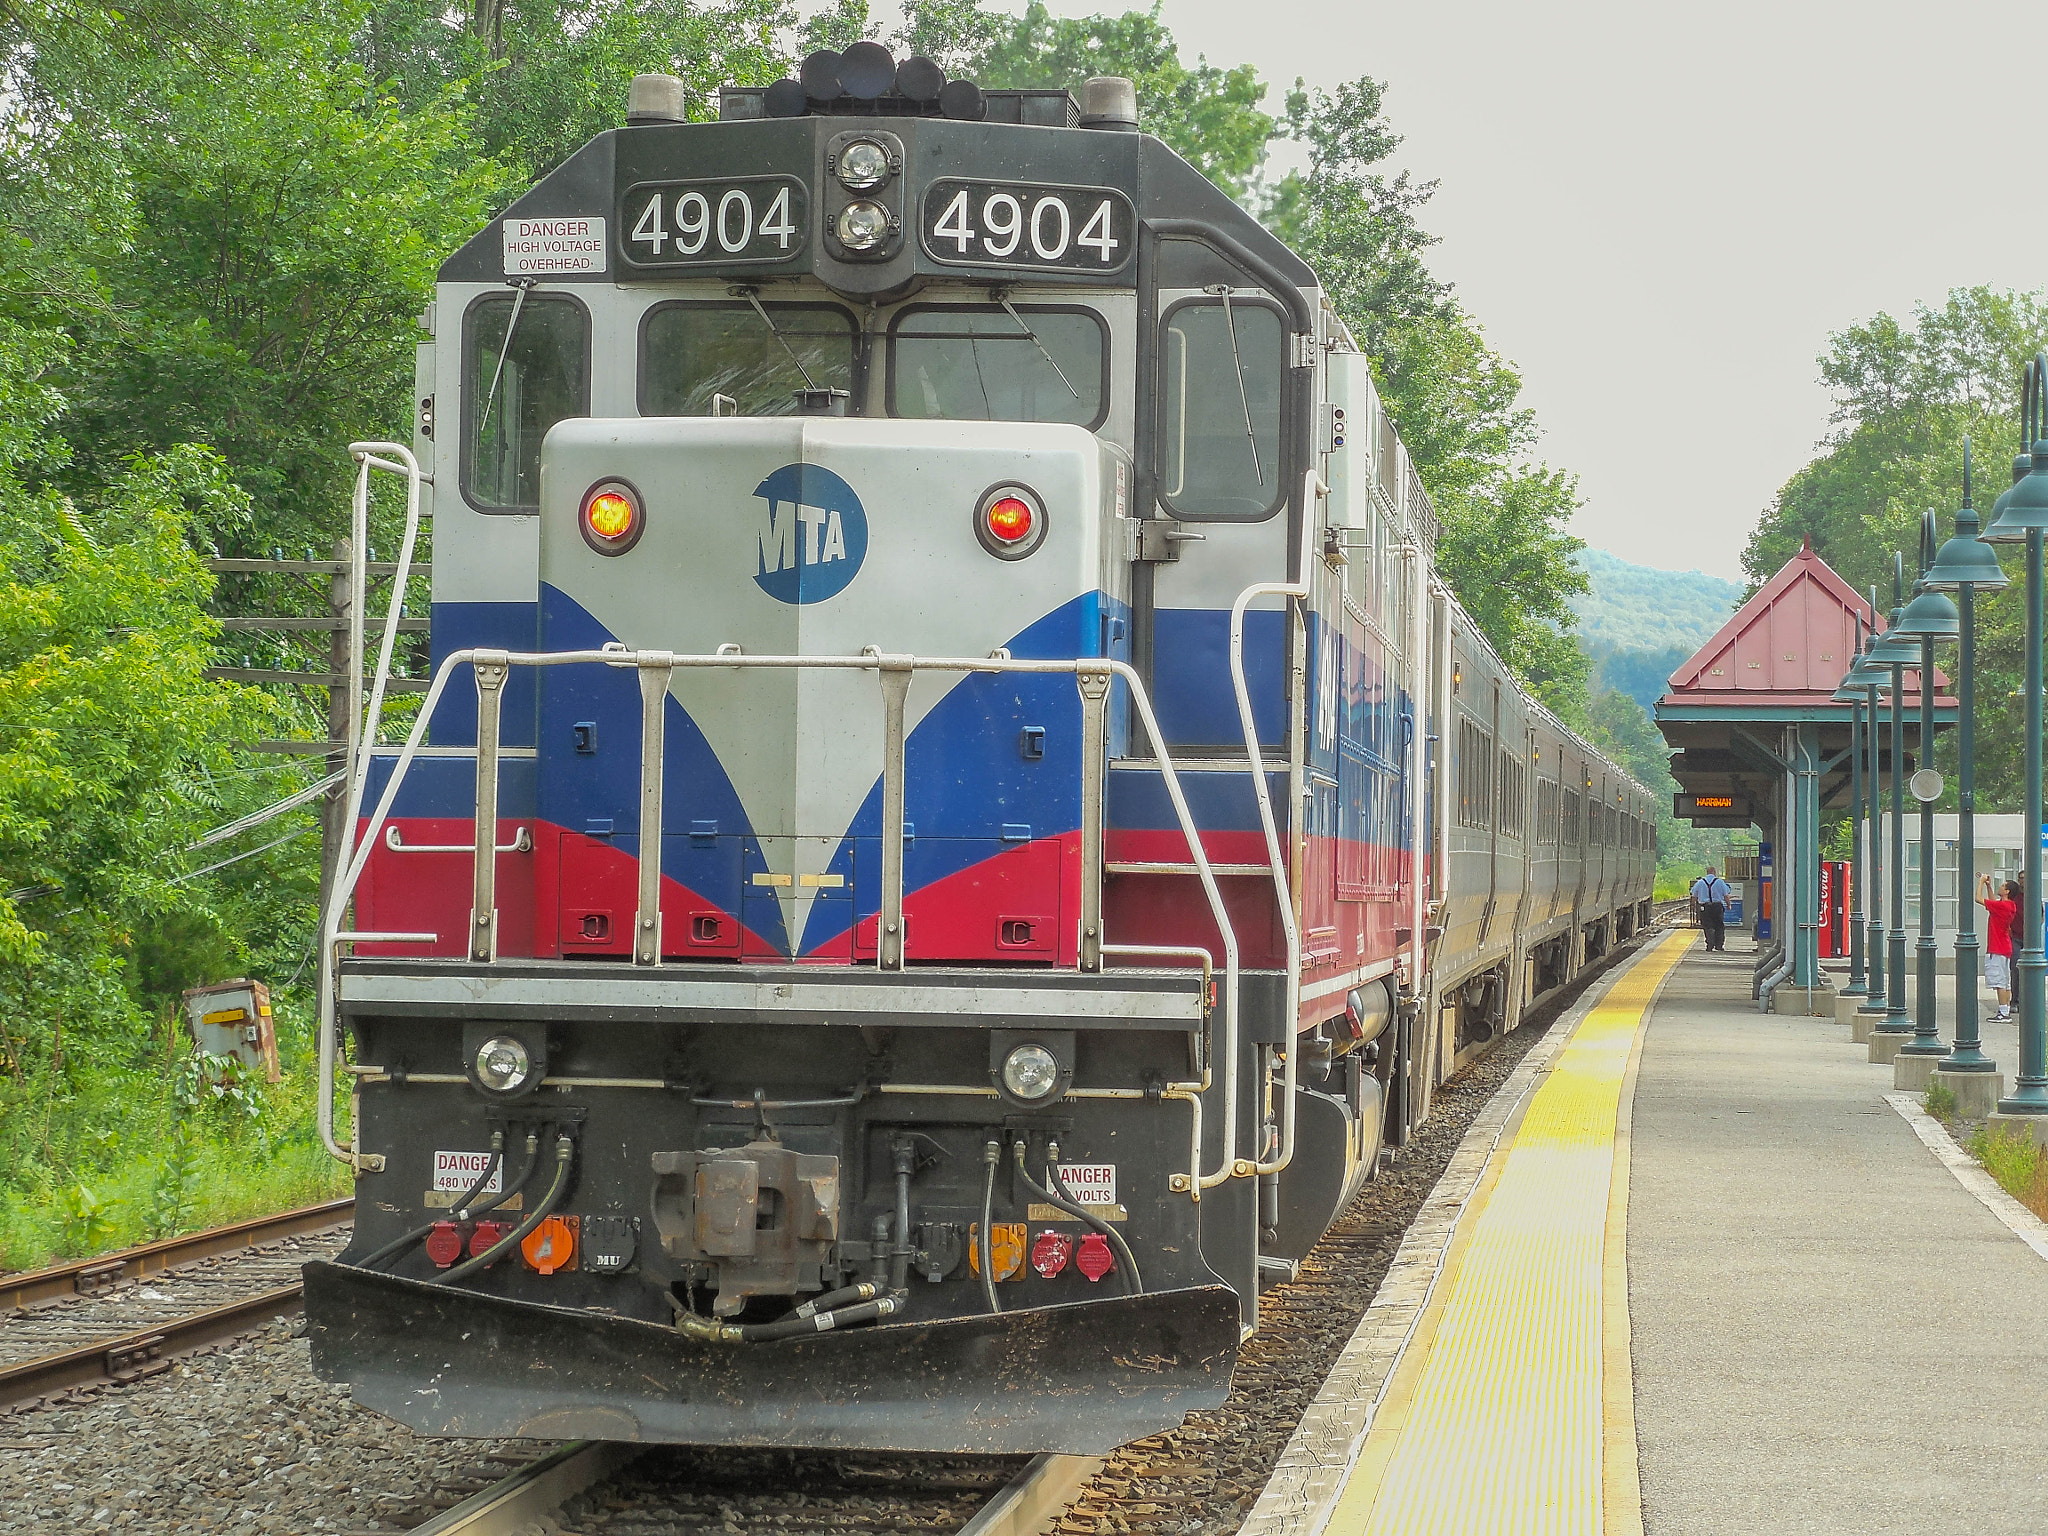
[[1872, 676], [2020, 517], [1851, 694], [1931, 616], [1966, 566], [1895, 652]]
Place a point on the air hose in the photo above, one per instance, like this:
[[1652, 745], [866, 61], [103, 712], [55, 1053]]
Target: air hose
[[692, 1326], [565, 1151], [462, 1211], [1063, 1197], [991, 1154]]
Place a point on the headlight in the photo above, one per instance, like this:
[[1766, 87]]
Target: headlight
[[863, 225], [863, 164], [502, 1065], [1031, 1072]]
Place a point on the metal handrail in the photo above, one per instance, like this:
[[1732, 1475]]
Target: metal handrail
[[1092, 676], [363, 725], [1313, 492]]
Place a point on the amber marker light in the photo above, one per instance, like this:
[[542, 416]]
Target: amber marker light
[[612, 520]]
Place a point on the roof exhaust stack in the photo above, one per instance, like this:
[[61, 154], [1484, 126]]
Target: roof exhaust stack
[[1109, 101], [655, 99]]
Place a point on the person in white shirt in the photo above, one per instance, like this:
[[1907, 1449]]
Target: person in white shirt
[[1710, 896]]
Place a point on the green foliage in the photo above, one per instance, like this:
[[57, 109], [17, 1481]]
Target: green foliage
[[2016, 1161], [175, 1189], [1939, 1101], [88, 1218]]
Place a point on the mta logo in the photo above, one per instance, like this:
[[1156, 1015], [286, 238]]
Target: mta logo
[[814, 534]]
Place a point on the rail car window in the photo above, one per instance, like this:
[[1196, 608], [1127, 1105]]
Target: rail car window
[[976, 363], [1546, 812], [690, 354], [1475, 776], [540, 378], [1513, 796], [1571, 818], [1219, 410]]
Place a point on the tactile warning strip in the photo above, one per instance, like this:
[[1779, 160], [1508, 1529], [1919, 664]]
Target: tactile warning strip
[[1493, 1422]]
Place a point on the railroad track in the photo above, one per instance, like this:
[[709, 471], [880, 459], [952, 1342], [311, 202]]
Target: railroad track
[[602, 1488], [102, 1320]]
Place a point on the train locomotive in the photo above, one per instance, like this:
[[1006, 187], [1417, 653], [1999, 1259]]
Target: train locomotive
[[954, 824]]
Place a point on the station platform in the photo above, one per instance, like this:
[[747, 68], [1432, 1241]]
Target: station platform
[[1696, 1269]]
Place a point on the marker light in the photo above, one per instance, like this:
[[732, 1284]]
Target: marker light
[[1031, 1072], [863, 225], [502, 1065], [863, 164], [612, 521], [1010, 522]]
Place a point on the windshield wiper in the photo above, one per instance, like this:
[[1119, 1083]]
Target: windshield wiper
[[522, 284], [753, 297], [1237, 363], [1002, 297]]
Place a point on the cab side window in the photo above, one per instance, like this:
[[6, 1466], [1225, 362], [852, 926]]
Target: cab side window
[[526, 366], [1220, 373]]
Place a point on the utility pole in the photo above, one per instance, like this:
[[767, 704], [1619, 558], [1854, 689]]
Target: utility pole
[[334, 623]]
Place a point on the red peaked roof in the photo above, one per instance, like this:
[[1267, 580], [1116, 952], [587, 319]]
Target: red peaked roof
[[1789, 644]]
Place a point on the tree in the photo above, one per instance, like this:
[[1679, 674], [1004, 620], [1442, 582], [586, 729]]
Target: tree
[[1906, 395], [1504, 547], [1208, 115], [283, 222]]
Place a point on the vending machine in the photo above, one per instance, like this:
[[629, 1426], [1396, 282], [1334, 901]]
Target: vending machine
[[1834, 909]]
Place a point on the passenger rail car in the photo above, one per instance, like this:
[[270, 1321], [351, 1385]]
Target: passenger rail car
[[953, 819]]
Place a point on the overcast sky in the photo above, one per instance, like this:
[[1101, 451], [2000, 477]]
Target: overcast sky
[[1659, 212]]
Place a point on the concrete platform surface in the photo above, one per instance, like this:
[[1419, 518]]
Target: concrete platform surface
[[1828, 1332]]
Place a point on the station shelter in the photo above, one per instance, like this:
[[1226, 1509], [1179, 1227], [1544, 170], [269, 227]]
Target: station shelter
[[1759, 741]]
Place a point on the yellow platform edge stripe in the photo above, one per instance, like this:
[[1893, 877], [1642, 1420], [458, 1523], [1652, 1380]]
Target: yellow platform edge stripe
[[1511, 1408]]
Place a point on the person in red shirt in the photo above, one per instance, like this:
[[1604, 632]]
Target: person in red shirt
[[2000, 913]]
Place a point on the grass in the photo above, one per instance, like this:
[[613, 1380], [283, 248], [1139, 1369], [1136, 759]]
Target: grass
[[1940, 1102], [96, 1155], [2016, 1161]]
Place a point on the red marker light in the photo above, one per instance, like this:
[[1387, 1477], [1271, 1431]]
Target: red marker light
[[1010, 519], [611, 518]]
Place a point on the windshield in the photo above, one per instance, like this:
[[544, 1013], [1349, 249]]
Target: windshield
[[692, 353], [995, 362]]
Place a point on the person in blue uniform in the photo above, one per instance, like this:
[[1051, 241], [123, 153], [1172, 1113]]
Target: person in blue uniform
[[1710, 895]]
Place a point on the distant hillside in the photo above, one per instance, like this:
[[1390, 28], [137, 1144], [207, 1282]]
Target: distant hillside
[[1635, 608], [1638, 624]]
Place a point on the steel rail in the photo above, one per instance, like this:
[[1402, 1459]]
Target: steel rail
[[83, 1277], [144, 1351], [1032, 1500], [1027, 1505], [524, 1499]]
